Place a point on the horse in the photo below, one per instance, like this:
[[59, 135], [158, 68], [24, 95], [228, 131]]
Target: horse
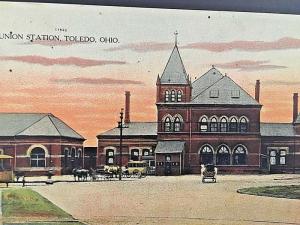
[[81, 174]]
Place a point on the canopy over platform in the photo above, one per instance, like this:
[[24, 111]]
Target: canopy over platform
[[6, 157], [169, 147]]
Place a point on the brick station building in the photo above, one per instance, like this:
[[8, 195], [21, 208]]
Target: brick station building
[[210, 120], [38, 142]]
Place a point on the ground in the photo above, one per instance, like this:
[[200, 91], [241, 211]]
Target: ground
[[175, 200]]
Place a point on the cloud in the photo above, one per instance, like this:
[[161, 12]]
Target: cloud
[[249, 65], [143, 47], [281, 82], [251, 46], [96, 81], [241, 45], [75, 61]]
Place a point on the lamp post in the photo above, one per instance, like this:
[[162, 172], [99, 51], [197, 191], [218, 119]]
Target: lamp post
[[120, 126]]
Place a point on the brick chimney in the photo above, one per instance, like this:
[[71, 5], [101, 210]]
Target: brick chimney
[[295, 107], [127, 107], [257, 90]]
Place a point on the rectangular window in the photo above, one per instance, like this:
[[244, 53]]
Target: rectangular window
[[203, 127], [214, 93], [273, 157], [235, 94], [213, 127], [282, 160]]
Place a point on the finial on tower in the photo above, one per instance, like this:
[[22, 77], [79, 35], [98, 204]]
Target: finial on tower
[[176, 34]]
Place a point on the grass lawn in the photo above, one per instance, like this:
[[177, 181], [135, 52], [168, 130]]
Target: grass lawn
[[25, 205], [288, 191]]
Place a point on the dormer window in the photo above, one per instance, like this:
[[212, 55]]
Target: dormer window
[[172, 96], [167, 96], [214, 94], [179, 96], [235, 94]]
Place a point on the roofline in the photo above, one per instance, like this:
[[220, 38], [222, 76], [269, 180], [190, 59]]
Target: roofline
[[205, 105], [117, 136], [42, 136]]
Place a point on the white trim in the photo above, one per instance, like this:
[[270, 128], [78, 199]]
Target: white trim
[[202, 146], [245, 148], [219, 146], [28, 152]]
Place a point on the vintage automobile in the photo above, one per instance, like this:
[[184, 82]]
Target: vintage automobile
[[6, 172], [138, 168], [209, 172]]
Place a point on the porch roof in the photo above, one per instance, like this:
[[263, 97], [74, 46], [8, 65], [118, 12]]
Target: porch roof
[[170, 147]]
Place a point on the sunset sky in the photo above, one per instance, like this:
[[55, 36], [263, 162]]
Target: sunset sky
[[84, 83]]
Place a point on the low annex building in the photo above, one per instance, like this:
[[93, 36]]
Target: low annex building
[[39, 142], [210, 120]]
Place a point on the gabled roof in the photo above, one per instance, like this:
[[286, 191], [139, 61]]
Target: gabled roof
[[298, 119], [134, 129], [223, 91], [206, 80], [277, 129], [169, 147], [174, 72], [35, 124]]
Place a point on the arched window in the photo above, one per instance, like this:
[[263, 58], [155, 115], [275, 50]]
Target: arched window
[[223, 156], [135, 154], [233, 125], [223, 125], [110, 157], [79, 153], [37, 157], [239, 155], [213, 125], [173, 96], [167, 124], [179, 96], [203, 124], [206, 155], [243, 125], [66, 155], [167, 96], [73, 152], [177, 124]]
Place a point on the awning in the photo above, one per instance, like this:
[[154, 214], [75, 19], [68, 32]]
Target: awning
[[169, 147]]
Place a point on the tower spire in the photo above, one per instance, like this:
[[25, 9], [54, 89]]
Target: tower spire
[[176, 34]]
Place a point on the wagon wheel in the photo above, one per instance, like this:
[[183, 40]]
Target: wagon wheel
[[135, 173]]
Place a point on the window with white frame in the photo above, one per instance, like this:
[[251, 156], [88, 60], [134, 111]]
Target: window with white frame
[[233, 125], [167, 96], [223, 125], [282, 156], [135, 154], [177, 124], [203, 124], [273, 154], [213, 125], [179, 96], [223, 156], [110, 156], [167, 124], [173, 96], [37, 157], [239, 155], [206, 155], [243, 125]]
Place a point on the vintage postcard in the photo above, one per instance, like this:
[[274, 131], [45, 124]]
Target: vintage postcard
[[119, 115]]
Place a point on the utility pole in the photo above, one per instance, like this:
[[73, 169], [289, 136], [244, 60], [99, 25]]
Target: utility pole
[[120, 126]]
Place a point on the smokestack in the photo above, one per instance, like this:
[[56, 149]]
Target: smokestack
[[127, 107], [257, 90], [295, 107]]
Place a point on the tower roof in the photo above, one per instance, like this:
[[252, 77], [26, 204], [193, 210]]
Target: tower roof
[[174, 72]]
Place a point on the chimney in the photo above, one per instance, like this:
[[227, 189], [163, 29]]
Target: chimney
[[257, 90], [127, 107], [295, 107]]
